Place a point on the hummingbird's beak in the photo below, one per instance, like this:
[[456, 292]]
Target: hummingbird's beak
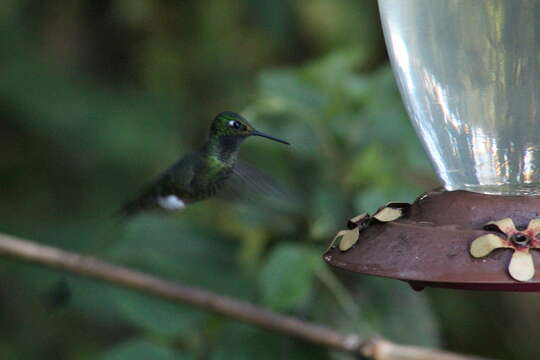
[[258, 133]]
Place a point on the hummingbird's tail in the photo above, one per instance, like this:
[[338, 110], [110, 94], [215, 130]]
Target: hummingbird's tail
[[147, 200], [134, 207], [128, 210]]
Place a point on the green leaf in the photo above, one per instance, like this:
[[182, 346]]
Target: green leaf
[[178, 248], [286, 279], [286, 91], [140, 350], [370, 167], [243, 342], [157, 315], [405, 309], [334, 69]]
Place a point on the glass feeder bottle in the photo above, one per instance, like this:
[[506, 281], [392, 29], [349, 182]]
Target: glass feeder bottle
[[469, 73]]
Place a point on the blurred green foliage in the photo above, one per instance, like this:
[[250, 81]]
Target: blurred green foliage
[[98, 97]]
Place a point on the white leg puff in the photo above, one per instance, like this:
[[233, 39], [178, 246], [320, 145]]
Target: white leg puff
[[171, 202]]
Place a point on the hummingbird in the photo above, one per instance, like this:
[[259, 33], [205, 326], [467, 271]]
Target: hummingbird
[[202, 174]]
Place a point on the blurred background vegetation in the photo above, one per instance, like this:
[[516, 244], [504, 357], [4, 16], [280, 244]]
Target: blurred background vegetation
[[98, 97]]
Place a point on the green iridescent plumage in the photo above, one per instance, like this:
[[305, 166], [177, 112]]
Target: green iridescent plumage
[[201, 174]]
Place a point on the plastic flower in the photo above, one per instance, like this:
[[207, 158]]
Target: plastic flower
[[346, 239], [391, 211], [521, 266]]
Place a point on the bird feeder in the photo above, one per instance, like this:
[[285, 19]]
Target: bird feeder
[[469, 73]]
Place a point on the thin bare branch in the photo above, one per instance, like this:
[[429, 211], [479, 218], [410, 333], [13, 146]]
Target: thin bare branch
[[377, 349]]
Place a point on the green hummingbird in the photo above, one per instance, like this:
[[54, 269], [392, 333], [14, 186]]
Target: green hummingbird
[[203, 173]]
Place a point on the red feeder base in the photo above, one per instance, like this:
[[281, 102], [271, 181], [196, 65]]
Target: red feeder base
[[430, 242]]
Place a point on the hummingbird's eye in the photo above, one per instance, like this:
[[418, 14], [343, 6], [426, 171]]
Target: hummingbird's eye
[[235, 124]]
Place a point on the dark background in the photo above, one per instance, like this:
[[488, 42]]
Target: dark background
[[98, 97]]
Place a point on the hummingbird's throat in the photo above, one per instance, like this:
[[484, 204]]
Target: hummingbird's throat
[[224, 147]]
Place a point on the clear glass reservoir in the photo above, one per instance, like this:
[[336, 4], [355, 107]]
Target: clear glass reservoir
[[469, 73]]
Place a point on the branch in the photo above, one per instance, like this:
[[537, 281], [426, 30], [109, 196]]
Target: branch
[[90, 267]]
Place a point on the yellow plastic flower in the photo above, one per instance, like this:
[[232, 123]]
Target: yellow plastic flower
[[521, 266]]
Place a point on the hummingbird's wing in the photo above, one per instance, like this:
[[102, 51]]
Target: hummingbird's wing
[[250, 183]]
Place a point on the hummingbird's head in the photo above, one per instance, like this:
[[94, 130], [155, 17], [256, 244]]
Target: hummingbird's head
[[228, 123]]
